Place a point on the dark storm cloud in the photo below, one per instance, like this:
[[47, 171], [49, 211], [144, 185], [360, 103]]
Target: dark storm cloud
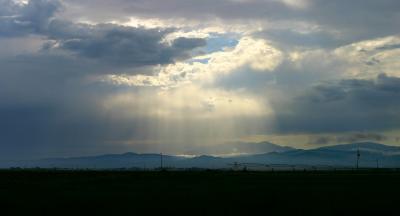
[[37, 131], [32, 18], [357, 137], [47, 109], [349, 138], [107, 43], [120, 45], [39, 97], [348, 105]]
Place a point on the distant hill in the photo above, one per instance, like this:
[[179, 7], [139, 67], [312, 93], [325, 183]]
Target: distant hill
[[237, 148], [372, 154], [365, 146]]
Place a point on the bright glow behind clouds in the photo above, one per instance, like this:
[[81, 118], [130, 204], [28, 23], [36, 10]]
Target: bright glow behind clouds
[[249, 52]]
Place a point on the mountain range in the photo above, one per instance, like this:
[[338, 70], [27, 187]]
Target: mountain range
[[274, 156]]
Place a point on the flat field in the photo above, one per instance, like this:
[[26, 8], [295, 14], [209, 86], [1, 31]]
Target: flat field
[[52, 192]]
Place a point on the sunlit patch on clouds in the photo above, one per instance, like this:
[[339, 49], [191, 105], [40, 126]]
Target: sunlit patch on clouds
[[256, 54], [369, 58], [22, 2], [298, 4]]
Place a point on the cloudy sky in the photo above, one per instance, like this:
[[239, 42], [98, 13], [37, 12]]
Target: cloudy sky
[[85, 77]]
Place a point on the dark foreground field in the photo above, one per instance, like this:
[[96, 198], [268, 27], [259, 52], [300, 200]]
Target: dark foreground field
[[199, 193]]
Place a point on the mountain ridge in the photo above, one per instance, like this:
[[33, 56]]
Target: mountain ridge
[[372, 155]]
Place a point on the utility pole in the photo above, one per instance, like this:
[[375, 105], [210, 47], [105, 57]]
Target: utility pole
[[358, 156], [161, 161]]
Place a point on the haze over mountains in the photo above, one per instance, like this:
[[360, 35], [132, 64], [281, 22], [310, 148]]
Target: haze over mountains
[[372, 155], [242, 148]]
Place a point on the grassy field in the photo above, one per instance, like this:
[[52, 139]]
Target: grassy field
[[199, 193]]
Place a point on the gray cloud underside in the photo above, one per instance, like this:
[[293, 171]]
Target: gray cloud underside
[[355, 20], [349, 138], [107, 43], [120, 45], [17, 20], [347, 105]]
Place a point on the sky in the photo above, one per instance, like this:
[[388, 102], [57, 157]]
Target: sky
[[87, 77]]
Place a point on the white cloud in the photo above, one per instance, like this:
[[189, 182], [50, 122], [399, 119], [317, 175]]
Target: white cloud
[[369, 58], [256, 54]]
